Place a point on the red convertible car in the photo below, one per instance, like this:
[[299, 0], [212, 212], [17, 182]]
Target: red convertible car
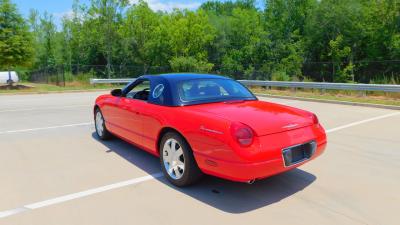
[[207, 124]]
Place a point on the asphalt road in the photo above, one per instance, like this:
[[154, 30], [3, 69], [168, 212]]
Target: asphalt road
[[53, 170]]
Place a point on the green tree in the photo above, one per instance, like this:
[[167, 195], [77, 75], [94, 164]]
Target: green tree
[[285, 21], [15, 39], [48, 32], [335, 33], [106, 16], [190, 34], [339, 54], [247, 41], [227, 7], [142, 37], [324, 40], [240, 47], [75, 52]]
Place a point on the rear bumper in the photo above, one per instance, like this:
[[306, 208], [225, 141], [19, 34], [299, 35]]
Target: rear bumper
[[244, 172]]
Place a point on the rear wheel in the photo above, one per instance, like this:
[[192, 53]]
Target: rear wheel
[[100, 125], [177, 160]]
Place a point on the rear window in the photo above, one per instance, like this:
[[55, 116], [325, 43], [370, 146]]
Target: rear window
[[212, 90]]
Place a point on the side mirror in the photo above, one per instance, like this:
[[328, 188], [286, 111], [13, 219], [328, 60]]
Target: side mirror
[[116, 92]]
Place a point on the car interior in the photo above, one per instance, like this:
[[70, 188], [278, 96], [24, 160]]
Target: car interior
[[141, 91], [197, 90]]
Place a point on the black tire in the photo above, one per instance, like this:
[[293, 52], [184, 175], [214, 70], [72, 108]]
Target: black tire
[[103, 134], [191, 173]]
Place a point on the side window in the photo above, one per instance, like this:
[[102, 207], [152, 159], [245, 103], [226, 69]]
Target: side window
[[140, 91]]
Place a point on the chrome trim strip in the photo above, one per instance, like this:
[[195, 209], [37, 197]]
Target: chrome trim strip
[[291, 125], [210, 130]]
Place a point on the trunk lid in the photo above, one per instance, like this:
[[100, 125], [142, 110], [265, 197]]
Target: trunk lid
[[263, 117]]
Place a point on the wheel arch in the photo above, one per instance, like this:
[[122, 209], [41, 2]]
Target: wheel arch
[[165, 130], [95, 107]]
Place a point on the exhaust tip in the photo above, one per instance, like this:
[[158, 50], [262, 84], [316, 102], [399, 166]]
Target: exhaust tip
[[251, 181]]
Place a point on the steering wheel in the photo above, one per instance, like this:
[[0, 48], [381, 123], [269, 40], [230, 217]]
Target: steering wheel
[[142, 95]]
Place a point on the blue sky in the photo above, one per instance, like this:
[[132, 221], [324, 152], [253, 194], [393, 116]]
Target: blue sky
[[54, 7], [62, 7]]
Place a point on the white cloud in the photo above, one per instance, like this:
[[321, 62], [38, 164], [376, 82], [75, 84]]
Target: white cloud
[[158, 5], [68, 15]]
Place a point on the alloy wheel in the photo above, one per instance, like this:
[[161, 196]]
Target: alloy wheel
[[173, 158], [99, 124]]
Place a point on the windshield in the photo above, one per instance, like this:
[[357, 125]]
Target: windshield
[[212, 90]]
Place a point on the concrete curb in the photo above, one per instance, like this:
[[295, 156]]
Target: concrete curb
[[332, 101]]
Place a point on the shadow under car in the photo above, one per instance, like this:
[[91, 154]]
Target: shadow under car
[[228, 196]]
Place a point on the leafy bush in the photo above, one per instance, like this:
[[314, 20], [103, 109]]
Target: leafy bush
[[280, 76], [189, 64], [23, 74], [386, 80]]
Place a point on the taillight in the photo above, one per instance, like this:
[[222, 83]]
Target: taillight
[[315, 119], [242, 134]]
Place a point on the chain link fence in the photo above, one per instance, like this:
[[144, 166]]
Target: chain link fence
[[383, 72], [359, 71], [60, 75]]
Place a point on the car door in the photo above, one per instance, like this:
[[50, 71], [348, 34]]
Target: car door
[[129, 111], [153, 113], [110, 112]]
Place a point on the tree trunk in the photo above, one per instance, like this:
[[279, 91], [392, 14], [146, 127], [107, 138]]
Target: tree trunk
[[9, 81], [144, 68]]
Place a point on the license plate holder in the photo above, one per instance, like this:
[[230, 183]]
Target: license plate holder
[[298, 153]]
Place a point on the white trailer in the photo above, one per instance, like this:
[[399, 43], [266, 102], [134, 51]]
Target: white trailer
[[5, 77]]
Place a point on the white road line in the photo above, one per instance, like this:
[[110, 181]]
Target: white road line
[[44, 128], [361, 122], [12, 212], [44, 108], [93, 191], [82, 194]]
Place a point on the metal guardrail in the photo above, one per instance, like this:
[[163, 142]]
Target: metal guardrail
[[321, 85], [287, 84], [112, 81]]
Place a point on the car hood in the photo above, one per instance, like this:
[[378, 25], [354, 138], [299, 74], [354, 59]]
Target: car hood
[[263, 117]]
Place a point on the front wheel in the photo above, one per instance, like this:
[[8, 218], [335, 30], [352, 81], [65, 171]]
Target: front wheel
[[177, 160], [100, 125]]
